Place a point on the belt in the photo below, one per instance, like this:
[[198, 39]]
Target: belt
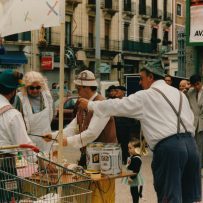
[[179, 135]]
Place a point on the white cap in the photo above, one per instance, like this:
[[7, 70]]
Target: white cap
[[86, 78]]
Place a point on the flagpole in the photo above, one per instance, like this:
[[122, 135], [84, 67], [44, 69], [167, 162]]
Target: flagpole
[[61, 90], [61, 83]]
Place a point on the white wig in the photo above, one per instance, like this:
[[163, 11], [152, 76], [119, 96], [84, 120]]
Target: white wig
[[31, 77]]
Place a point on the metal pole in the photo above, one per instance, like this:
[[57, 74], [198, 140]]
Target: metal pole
[[97, 50]]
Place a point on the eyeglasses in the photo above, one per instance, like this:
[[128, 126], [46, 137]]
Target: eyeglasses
[[34, 87]]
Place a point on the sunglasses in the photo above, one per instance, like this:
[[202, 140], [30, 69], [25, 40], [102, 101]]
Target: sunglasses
[[34, 87]]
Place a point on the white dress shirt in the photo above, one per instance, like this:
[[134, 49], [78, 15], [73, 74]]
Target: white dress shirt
[[78, 140], [157, 118], [12, 127]]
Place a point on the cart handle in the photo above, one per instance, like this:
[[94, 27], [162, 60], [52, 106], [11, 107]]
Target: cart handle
[[32, 147]]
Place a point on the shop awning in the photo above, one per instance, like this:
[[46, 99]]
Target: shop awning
[[13, 57]]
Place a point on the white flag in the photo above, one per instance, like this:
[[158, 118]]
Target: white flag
[[18, 16]]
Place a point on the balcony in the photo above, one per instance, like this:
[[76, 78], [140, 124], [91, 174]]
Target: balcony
[[23, 38], [134, 46], [157, 16], [167, 20], [80, 42], [144, 14], [91, 6], [109, 7], [129, 10], [71, 5]]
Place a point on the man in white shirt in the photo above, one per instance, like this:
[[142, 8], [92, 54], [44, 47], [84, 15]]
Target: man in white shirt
[[12, 127], [169, 133], [86, 127]]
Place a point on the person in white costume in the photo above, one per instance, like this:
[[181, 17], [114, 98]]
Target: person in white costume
[[12, 127], [35, 102]]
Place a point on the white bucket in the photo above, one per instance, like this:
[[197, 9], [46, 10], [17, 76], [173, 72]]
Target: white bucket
[[93, 156], [111, 159]]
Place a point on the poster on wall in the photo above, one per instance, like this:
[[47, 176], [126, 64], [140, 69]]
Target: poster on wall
[[196, 22], [47, 60]]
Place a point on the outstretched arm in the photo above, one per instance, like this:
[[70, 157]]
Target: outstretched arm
[[131, 106]]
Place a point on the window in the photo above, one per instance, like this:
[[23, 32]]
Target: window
[[91, 1], [141, 33], [127, 5], [126, 30], [142, 7], [165, 38], [68, 34], [91, 32], [179, 9], [107, 33], [165, 9], [108, 4], [154, 9]]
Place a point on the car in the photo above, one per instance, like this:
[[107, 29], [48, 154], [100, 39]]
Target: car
[[68, 112]]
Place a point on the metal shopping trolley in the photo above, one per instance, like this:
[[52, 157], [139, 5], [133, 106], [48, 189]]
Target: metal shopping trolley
[[28, 177]]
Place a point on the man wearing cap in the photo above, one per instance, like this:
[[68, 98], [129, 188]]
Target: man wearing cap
[[120, 91], [167, 124], [111, 92], [12, 127], [87, 127]]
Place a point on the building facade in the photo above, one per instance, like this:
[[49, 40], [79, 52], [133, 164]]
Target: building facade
[[131, 32]]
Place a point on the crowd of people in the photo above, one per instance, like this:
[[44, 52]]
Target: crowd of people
[[171, 122]]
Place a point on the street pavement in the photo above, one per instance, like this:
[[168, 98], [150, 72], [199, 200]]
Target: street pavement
[[123, 191]]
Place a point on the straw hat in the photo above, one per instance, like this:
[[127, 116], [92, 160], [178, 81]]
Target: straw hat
[[86, 78]]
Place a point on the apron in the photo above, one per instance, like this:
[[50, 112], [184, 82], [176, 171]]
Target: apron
[[38, 123], [137, 181]]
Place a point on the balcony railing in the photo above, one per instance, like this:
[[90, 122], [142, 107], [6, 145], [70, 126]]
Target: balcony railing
[[129, 7], [167, 16], [110, 5], [78, 41], [137, 46]]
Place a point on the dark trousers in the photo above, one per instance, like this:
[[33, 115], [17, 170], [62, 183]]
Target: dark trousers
[[176, 170], [135, 193]]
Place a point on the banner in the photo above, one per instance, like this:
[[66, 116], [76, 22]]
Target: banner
[[196, 22], [18, 16]]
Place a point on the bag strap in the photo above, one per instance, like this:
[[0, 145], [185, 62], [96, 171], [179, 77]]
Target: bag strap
[[179, 120], [5, 108]]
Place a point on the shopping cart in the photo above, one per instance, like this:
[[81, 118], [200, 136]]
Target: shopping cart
[[26, 176]]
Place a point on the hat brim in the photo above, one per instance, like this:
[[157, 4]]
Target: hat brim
[[86, 83]]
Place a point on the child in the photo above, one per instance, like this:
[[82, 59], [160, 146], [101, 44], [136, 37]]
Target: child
[[134, 163]]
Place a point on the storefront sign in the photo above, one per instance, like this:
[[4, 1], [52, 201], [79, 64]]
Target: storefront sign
[[47, 60], [196, 23]]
